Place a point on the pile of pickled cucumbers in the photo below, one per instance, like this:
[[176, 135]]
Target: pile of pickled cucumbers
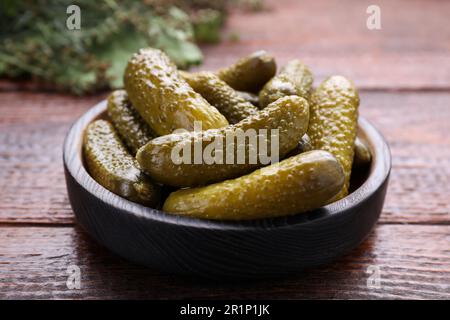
[[131, 151]]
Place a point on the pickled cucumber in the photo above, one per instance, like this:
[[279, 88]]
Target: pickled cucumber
[[110, 164], [304, 145], [297, 184], [133, 130], [362, 155], [294, 79], [162, 98], [333, 122], [290, 115], [250, 97], [249, 73], [361, 158], [220, 95]]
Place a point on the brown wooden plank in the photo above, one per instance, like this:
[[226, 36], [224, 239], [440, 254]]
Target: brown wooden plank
[[416, 127], [414, 262], [32, 129], [410, 50]]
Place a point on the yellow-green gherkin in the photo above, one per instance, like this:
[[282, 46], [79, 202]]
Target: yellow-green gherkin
[[287, 117], [333, 122], [304, 145], [110, 164], [297, 184], [362, 154], [163, 98], [219, 94], [250, 97], [249, 73], [133, 130], [294, 79]]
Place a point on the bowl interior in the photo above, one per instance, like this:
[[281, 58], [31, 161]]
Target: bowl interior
[[363, 180]]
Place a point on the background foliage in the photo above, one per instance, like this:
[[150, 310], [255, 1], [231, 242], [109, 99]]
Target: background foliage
[[35, 42]]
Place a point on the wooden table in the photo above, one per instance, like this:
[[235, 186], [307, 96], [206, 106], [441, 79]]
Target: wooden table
[[404, 75]]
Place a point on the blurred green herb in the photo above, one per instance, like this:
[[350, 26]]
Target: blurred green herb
[[35, 41], [207, 24]]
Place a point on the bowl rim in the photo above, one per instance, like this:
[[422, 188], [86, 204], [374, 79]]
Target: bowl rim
[[72, 159]]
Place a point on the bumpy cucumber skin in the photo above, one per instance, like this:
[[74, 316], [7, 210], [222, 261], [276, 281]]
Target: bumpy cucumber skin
[[163, 99], [249, 73], [290, 115], [294, 79], [133, 130], [333, 122], [220, 95], [253, 98], [304, 145], [297, 184], [110, 164], [362, 155]]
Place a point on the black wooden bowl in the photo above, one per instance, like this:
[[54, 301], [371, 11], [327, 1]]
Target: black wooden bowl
[[219, 248]]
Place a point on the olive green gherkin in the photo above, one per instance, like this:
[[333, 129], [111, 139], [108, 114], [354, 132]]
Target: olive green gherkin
[[220, 95], [294, 79], [133, 130], [333, 122], [297, 184], [362, 156], [303, 145], [288, 117], [163, 98], [110, 164], [250, 97], [249, 73]]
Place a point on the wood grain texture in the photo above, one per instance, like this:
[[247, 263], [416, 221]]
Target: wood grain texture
[[414, 262], [33, 125], [410, 51], [416, 127]]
